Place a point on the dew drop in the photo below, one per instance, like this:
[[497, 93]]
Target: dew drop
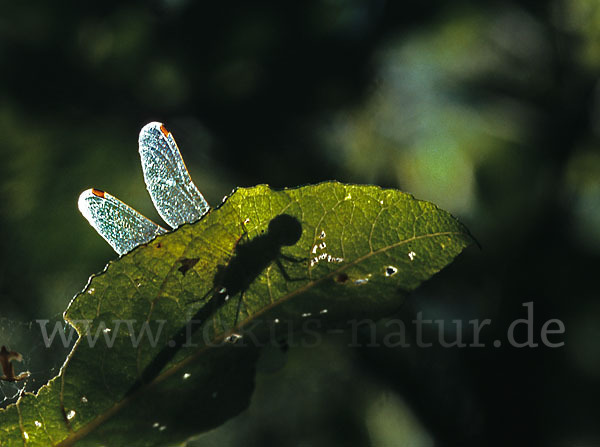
[[361, 281], [348, 197], [162, 428], [84, 400], [222, 290], [38, 424], [91, 290], [186, 376], [26, 436], [233, 338], [307, 314], [106, 330], [276, 320], [323, 311], [390, 270], [412, 255], [155, 425], [71, 414], [381, 202]]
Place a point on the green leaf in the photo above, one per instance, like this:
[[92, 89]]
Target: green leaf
[[316, 255]]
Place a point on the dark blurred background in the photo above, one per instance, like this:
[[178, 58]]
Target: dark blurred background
[[489, 109]]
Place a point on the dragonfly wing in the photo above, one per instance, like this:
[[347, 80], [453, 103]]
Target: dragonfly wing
[[119, 224], [175, 196]]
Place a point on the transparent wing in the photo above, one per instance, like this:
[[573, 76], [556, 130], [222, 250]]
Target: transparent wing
[[175, 196], [120, 225]]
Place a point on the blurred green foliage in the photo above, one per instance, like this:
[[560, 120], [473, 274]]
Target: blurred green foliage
[[489, 109]]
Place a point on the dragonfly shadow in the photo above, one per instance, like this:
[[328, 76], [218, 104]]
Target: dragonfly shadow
[[253, 257], [249, 260]]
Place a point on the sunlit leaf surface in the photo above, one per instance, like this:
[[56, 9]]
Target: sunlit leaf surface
[[321, 254]]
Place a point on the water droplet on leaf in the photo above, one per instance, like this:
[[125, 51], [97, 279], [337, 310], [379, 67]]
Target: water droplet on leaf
[[390, 270], [233, 338]]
